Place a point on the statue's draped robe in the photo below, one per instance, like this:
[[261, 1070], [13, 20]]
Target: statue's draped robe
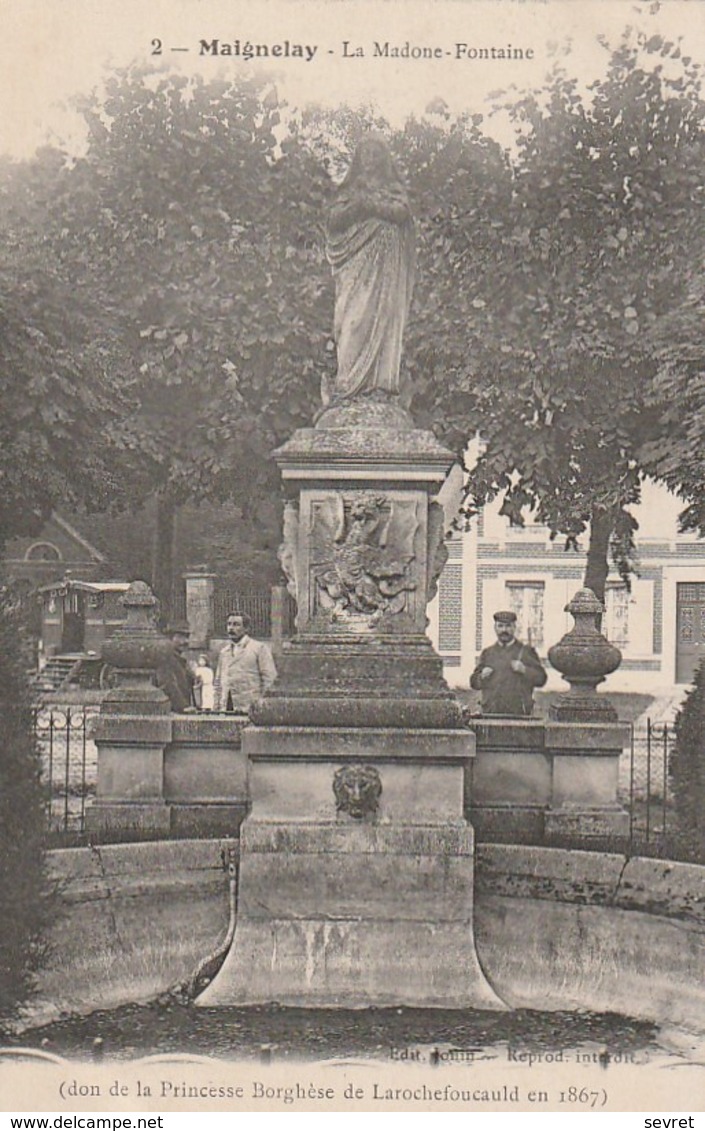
[[373, 267]]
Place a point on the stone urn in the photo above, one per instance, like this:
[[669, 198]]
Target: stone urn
[[584, 657], [137, 648]]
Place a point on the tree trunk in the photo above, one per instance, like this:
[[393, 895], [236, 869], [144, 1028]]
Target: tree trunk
[[163, 555], [597, 566]]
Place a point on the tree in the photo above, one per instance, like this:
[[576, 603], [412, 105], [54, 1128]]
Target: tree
[[192, 220], [63, 382], [680, 384], [559, 288]]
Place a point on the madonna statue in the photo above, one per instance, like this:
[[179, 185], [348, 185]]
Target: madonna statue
[[370, 246]]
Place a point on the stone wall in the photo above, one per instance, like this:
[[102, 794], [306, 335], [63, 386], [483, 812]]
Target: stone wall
[[171, 775], [535, 780], [565, 929], [530, 780]]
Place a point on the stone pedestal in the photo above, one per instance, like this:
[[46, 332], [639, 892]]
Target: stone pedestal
[[585, 781], [134, 725], [585, 737], [356, 872], [131, 733], [363, 549]]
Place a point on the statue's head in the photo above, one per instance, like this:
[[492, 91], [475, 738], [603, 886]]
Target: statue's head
[[373, 160], [365, 507]]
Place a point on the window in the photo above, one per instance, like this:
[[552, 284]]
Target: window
[[526, 598], [616, 619], [530, 531], [43, 552]]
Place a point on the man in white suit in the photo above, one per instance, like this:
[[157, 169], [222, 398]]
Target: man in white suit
[[245, 667]]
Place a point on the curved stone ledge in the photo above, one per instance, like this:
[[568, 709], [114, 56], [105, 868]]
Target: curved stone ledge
[[544, 955], [658, 887], [554, 928]]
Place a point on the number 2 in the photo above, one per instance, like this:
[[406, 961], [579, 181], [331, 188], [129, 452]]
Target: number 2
[[156, 46]]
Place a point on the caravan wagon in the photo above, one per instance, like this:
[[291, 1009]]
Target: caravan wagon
[[76, 617]]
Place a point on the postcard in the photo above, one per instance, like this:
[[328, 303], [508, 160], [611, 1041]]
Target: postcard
[[400, 816]]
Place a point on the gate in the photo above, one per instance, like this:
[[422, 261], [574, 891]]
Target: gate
[[258, 607]]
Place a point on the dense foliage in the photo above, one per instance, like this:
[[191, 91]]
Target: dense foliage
[[64, 381], [190, 237], [184, 236], [563, 291], [23, 893], [687, 768]]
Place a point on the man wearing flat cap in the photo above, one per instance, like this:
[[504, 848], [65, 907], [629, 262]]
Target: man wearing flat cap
[[507, 672]]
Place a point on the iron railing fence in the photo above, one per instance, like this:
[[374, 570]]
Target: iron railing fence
[[69, 767], [257, 605], [652, 815]]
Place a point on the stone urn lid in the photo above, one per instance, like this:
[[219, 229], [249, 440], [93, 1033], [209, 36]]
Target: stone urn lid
[[138, 643]]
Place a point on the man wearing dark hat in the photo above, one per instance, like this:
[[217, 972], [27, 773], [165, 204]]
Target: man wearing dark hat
[[507, 672], [174, 676]]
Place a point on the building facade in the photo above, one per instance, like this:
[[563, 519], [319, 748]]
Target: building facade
[[658, 622], [59, 549]]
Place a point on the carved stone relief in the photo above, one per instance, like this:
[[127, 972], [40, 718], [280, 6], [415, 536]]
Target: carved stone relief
[[289, 550], [437, 549], [362, 555], [357, 790]]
